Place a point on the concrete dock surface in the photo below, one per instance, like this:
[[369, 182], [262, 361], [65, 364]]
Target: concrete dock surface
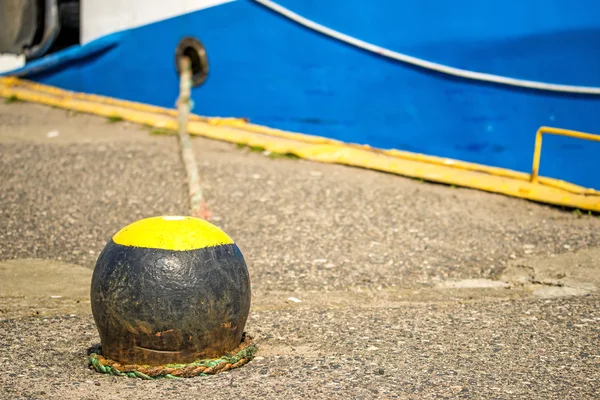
[[365, 285]]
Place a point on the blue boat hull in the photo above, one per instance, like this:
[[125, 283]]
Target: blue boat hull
[[277, 73]]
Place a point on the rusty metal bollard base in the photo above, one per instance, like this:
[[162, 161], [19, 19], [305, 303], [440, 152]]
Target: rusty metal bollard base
[[170, 290], [243, 354]]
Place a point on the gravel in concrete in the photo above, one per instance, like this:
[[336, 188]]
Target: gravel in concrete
[[522, 349], [368, 254], [63, 197]]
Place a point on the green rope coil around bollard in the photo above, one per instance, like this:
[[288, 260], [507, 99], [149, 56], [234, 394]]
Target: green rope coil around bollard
[[242, 355]]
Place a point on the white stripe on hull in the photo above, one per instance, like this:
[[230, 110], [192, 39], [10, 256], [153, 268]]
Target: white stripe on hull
[[9, 62], [103, 17]]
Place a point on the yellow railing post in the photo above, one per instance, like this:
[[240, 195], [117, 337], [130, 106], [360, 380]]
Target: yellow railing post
[[537, 151], [537, 155]]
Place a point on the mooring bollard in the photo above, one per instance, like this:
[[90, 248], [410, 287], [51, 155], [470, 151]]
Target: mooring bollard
[[170, 297]]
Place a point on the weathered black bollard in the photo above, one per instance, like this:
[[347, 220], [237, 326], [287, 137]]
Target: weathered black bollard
[[170, 290]]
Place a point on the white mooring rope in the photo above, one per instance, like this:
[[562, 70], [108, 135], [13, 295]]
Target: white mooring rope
[[197, 201]]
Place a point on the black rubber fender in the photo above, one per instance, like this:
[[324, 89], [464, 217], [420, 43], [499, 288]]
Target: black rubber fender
[[69, 12]]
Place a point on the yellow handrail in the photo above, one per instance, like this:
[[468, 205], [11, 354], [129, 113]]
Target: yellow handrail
[[537, 151], [436, 169]]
